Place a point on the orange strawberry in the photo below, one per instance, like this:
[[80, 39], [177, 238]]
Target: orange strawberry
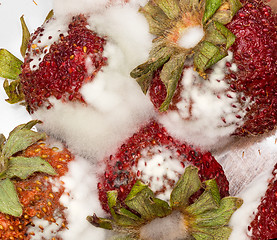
[[37, 195]]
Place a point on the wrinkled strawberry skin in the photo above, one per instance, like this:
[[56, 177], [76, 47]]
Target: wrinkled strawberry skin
[[264, 225], [119, 175], [62, 72], [255, 54]]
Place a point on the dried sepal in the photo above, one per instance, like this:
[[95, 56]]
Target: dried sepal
[[49, 15], [170, 75], [25, 36], [191, 5], [100, 222], [2, 141], [169, 7], [156, 18], [168, 20], [14, 91]]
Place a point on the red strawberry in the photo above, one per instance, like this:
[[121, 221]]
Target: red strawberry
[[239, 96], [75, 77], [61, 69], [158, 160], [264, 225], [38, 194], [255, 56]]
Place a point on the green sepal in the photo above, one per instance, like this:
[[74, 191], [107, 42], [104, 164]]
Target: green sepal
[[222, 53], [118, 217], [14, 91], [208, 200], [206, 218], [220, 216], [19, 140], [235, 5], [169, 7], [142, 200], [25, 37], [23, 167], [219, 39], [222, 233], [207, 55], [126, 213], [226, 14], [10, 66], [188, 184], [170, 75], [112, 201], [9, 202], [210, 9], [29, 125], [230, 37], [100, 222], [214, 36]]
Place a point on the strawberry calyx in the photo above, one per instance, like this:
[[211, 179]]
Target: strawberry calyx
[[14, 166], [135, 218], [170, 21], [10, 68]]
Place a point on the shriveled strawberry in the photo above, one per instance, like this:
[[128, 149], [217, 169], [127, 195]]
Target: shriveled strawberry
[[255, 56], [264, 225], [59, 70], [158, 160], [235, 96], [38, 193]]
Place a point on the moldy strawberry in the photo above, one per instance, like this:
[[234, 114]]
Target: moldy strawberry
[[61, 69], [141, 215], [228, 76], [29, 194], [158, 160], [255, 56]]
